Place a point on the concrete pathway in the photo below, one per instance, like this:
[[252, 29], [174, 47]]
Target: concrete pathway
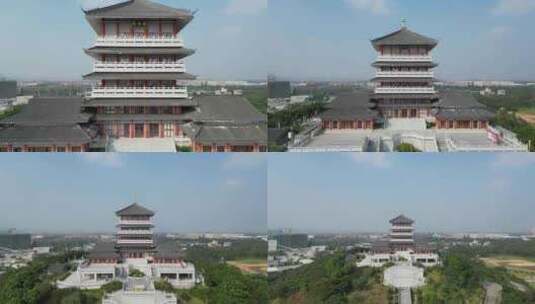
[[493, 293]]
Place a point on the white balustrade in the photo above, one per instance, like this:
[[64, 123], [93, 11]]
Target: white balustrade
[[134, 241], [140, 40], [405, 58], [128, 232], [405, 90], [406, 74], [134, 222], [138, 92], [177, 66]]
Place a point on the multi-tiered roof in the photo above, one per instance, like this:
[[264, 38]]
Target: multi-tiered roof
[[139, 64], [134, 237], [404, 77]]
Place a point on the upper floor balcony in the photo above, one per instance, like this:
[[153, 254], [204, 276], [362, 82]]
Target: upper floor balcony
[[135, 222], [140, 40], [427, 74], [155, 67], [405, 58], [138, 92], [405, 90], [135, 232], [131, 242]]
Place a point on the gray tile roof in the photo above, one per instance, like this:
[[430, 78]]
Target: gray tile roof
[[401, 219], [169, 249], [235, 135], [138, 76], [456, 105], [49, 112], [179, 52], [140, 9], [227, 109], [134, 209], [104, 250], [8, 89], [44, 135], [118, 102], [351, 107], [404, 37], [145, 117]]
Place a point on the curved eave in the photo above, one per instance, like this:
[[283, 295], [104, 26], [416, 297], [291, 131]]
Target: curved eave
[[149, 102], [417, 64], [407, 95], [144, 117], [138, 76], [178, 51], [464, 114]]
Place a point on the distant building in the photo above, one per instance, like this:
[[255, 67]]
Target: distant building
[[279, 89], [134, 250], [16, 241], [400, 247], [272, 245], [292, 240], [8, 94]]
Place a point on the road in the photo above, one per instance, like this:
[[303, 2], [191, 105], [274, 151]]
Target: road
[[405, 296], [494, 293]]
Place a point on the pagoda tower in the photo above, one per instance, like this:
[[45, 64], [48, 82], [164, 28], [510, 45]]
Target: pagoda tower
[[404, 77], [401, 234], [138, 70], [135, 235]]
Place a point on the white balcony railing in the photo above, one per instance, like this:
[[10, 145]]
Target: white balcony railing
[[405, 58], [133, 222], [405, 90], [138, 92], [401, 240], [395, 227], [178, 67], [144, 242], [140, 40], [406, 74], [134, 232], [406, 234]]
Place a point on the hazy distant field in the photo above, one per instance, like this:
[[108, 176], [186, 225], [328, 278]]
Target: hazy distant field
[[523, 268], [527, 115], [254, 266]]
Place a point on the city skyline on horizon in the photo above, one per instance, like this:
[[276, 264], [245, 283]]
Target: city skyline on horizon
[[362, 192], [81, 193]]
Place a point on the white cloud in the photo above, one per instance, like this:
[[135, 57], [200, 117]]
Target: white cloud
[[514, 7], [378, 160], [112, 160], [377, 7], [230, 30], [246, 7], [510, 160], [243, 161]]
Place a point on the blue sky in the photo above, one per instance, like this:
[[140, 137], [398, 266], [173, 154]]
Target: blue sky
[[295, 39], [80, 193], [442, 193], [43, 40], [329, 39]]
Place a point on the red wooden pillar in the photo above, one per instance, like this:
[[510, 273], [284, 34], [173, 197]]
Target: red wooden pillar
[[256, 148], [160, 128], [103, 27], [132, 131], [160, 28], [145, 130], [228, 148]]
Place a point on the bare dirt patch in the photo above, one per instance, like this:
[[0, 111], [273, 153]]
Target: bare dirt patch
[[255, 267], [528, 117]]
